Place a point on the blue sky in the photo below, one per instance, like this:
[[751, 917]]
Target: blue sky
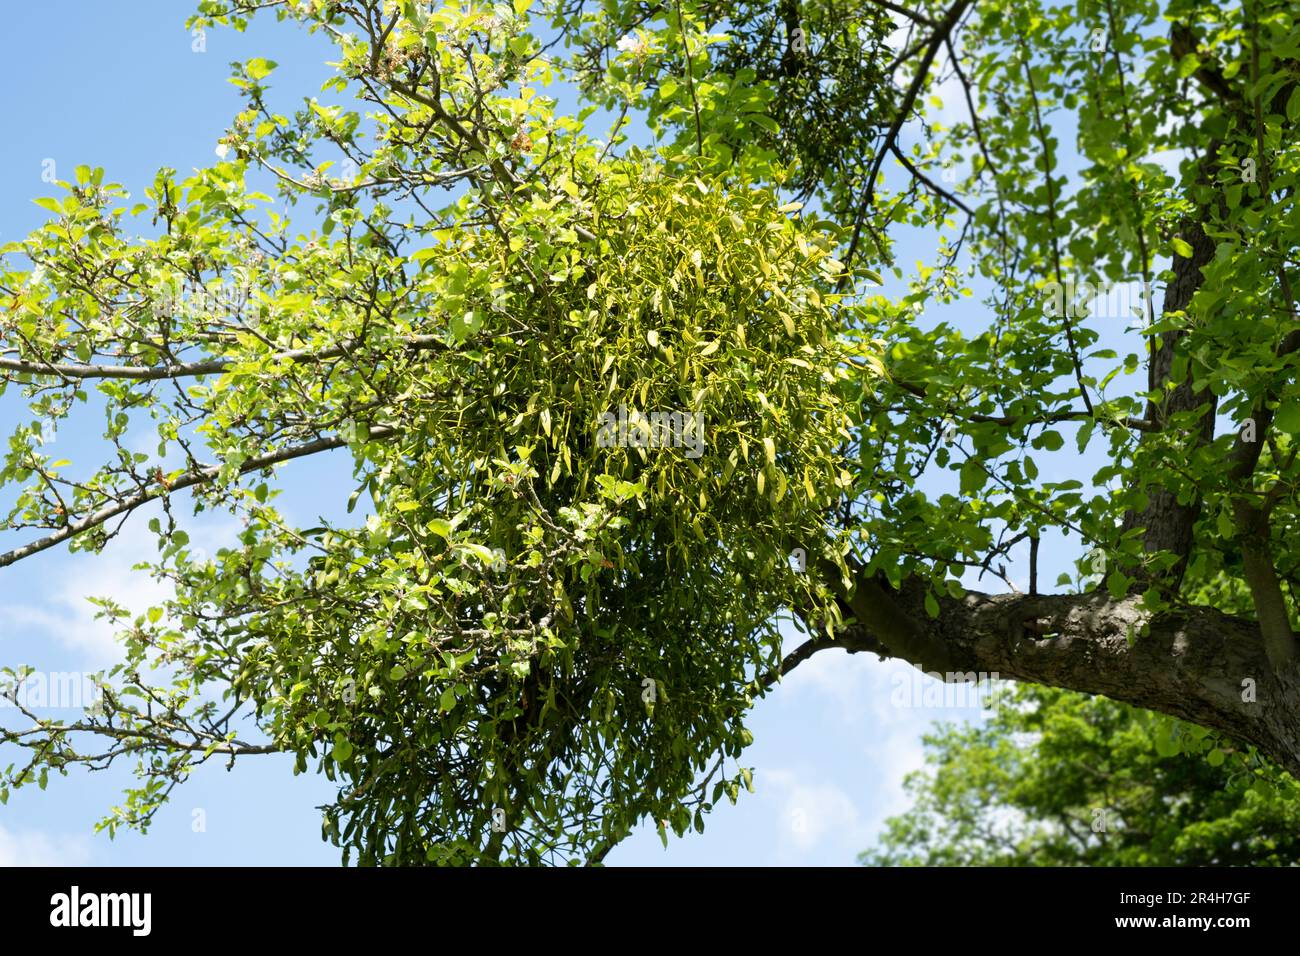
[[120, 86]]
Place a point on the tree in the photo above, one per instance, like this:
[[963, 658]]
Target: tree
[[1057, 778], [559, 604]]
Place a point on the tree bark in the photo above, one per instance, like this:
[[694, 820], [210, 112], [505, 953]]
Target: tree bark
[[1167, 525], [1199, 665]]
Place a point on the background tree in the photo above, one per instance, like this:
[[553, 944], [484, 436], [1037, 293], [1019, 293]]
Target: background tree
[[527, 641], [1056, 778]]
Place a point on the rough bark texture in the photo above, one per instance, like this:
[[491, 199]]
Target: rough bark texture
[[1200, 665], [1167, 524]]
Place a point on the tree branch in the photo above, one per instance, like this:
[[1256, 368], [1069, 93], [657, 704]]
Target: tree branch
[[206, 367], [130, 503], [1196, 664]]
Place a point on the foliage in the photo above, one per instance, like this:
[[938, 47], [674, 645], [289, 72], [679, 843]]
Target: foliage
[[532, 641], [528, 639], [1055, 778]]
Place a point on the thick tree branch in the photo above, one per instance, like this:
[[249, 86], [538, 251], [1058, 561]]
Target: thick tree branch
[[1197, 664]]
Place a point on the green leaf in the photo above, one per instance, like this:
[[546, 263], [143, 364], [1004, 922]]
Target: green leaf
[[1084, 435], [931, 605], [973, 477], [464, 325], [1166, 744], [259, 68], [1287, 418], [479, 551]]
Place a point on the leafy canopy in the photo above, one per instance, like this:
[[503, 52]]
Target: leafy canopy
[[534, 639], [524, 641], [1059, 779]]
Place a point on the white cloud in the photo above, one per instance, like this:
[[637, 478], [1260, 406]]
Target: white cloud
[[62, 610], [34, 848], [950, 91], [812, 811], [865, 691], [849, 681], [894, 755]]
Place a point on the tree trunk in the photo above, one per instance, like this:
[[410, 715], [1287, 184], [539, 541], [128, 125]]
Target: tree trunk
[[1167, 525]]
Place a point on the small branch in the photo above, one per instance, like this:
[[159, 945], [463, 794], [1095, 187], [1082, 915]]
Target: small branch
[[209, 367], [941, 32], [690, 78], [929, 183], [1033, 564], [129, 504], [912, 15]]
